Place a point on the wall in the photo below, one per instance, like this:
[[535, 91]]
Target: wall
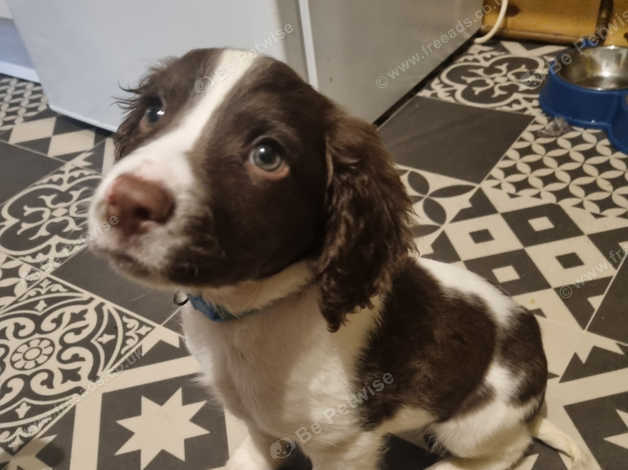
[[83, 50], [4, 9]]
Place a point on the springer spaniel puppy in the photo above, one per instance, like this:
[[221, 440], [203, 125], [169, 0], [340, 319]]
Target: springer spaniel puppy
[[312, 316]]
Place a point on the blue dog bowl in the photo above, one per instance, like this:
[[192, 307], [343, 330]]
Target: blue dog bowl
[[589, 88]]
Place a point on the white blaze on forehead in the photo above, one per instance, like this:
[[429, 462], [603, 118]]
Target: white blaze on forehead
[[231, 67], [165, 159]]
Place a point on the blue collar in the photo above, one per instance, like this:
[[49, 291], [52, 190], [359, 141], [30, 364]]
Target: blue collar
[[215, 312]]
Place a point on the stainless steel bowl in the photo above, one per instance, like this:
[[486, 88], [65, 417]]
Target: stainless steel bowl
[[599, 68]]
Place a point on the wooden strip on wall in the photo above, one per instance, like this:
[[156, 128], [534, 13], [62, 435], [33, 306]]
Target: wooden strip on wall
[[563, 21]]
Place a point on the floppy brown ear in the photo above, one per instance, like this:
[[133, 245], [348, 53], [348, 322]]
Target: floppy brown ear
[[367, 220]]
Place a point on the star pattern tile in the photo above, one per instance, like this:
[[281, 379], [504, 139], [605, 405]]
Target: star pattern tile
[[174, 416], [147, 415]]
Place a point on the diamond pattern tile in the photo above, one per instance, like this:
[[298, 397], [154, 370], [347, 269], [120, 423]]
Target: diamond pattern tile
[[20, 100]]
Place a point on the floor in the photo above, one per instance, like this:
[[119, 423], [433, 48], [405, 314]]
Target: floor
[[93, 371]]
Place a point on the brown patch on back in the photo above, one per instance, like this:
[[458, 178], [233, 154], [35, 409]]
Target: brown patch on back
[[436, 346]]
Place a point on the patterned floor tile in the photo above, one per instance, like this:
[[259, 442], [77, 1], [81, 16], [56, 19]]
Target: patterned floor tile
[[502, 75], [19, 101], [611, 318], [44, 224], [569, 260], [94, 275], [147, 415], [579, 168], [31, 166], [436, 200], [15, 279], [54, 135], [588, 368], [451, 139], [608, 440], [55, 340], [546, 255]]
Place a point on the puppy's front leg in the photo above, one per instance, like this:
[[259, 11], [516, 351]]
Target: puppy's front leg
[[254, 453], [362, 452]]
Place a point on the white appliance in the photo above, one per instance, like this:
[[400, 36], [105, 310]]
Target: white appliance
[[351, 50], [14, 59]]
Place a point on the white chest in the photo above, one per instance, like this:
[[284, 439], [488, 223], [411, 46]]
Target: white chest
[[282, 370]]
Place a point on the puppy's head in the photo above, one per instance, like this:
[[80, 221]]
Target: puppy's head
[[231, 168]]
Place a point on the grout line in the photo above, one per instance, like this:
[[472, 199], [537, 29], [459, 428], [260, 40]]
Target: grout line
[[606, 291], [173, 315], [533, 116]]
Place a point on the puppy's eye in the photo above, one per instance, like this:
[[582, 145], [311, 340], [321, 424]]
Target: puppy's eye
[[154, 112], [266, 156]]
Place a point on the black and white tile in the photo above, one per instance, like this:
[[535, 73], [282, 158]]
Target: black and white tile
[[545, 255], [19, 101], [15, 278], [44, 224], [55, 340], [578, 168], [54, 135], [436, 200], [149, 413], [501, 75]]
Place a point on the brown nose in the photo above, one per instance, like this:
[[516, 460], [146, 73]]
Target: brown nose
[[133, 203]]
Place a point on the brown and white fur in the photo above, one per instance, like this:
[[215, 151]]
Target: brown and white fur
[[355, 336]]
